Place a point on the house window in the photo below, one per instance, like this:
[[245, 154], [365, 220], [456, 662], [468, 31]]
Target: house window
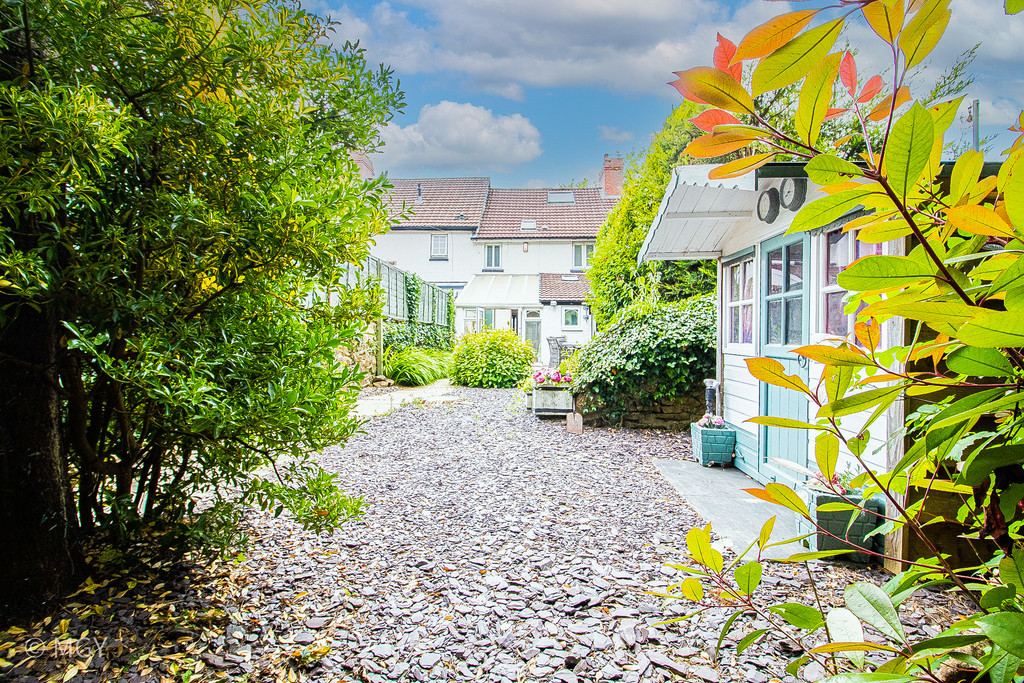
[[581, 255], [570, 318], [493, 256], [439, 246], [489, 317], [740, 302], [841, 249]]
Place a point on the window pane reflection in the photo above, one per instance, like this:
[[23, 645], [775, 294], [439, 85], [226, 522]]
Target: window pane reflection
[[795, 271], [865, 249], [748, 324], [774, 322], [794, 321], [775, 272], [836, 322], [838, 256]]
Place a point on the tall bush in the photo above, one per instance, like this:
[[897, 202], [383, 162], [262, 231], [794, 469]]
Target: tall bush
[[492, 359], [654, 351], [616, 278], [178, 183], [959, 290]]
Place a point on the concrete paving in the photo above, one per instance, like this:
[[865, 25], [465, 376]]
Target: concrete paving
[[383, 404], [717, 495]]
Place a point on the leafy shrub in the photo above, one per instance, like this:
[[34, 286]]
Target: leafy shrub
[[415, 366], [492, 358], [654, 352]]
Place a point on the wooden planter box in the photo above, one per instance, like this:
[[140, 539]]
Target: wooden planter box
[[552, 400], [835, 522], [713, 446], [529, 400]]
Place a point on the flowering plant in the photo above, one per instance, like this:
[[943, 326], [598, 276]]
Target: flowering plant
[[710, 421], [818, 481], [549, 376], [840, 484]]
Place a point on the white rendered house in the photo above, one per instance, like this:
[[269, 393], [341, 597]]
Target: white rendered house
[[516, 258]]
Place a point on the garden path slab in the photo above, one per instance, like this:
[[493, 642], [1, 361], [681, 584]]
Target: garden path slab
[[385, 403], [717, 495]]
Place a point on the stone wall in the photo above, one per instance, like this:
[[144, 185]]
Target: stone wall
[[364, 355], [673, 415]]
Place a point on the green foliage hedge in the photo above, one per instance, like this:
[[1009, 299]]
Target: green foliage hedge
[[400, 335], [655, 351], [614, 275], [492, 358]]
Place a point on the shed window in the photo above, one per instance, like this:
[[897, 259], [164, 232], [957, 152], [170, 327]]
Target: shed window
[[740, 302], [841, 249]]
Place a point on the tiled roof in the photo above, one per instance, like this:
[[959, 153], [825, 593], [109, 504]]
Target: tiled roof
[[507, 209], [444, 200], [560, 287]]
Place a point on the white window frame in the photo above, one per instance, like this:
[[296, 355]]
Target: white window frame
[[579, 317], [586, 253], [434, 241], [490, 252], [748, 264], [825, 288]]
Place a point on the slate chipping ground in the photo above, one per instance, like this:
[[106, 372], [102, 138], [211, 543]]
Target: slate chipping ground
[[494, 548]]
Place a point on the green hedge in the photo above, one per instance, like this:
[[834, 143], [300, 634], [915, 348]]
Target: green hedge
[[492, 358], [403, 335], [657, 351]]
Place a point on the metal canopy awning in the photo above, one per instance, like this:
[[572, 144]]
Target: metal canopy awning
[[695, 219], [500, 291]]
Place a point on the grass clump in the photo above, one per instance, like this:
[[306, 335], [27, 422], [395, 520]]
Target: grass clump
[[416, 367]]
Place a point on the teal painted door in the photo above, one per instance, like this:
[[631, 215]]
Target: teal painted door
[[785, 318]]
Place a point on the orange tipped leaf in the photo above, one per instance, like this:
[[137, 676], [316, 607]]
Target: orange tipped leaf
[[870, 89], [848, 73], [724, 52], [709, 118], [717, 88], [773, 34]]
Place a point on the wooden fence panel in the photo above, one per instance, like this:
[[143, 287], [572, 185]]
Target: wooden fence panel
[[433, 305]]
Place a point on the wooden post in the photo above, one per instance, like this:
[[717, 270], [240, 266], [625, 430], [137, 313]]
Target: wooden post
[[378, 347]]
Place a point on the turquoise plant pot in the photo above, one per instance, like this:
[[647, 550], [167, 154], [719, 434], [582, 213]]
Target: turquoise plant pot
[[713, 446]]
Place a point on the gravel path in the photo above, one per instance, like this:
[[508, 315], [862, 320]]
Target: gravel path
[[495, 547]]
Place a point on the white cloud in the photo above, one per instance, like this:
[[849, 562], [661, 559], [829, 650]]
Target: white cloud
[[613, 134], [450, 135], [502, 47], [632, 47]]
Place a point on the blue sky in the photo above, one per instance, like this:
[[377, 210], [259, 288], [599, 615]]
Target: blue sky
[[533, 93]]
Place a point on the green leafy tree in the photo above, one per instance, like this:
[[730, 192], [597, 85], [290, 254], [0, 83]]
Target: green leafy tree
[[177, 194], [958, 288], [615, 277]]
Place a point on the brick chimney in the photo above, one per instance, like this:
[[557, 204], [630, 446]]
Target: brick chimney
[[363, 162], [611, 177]]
